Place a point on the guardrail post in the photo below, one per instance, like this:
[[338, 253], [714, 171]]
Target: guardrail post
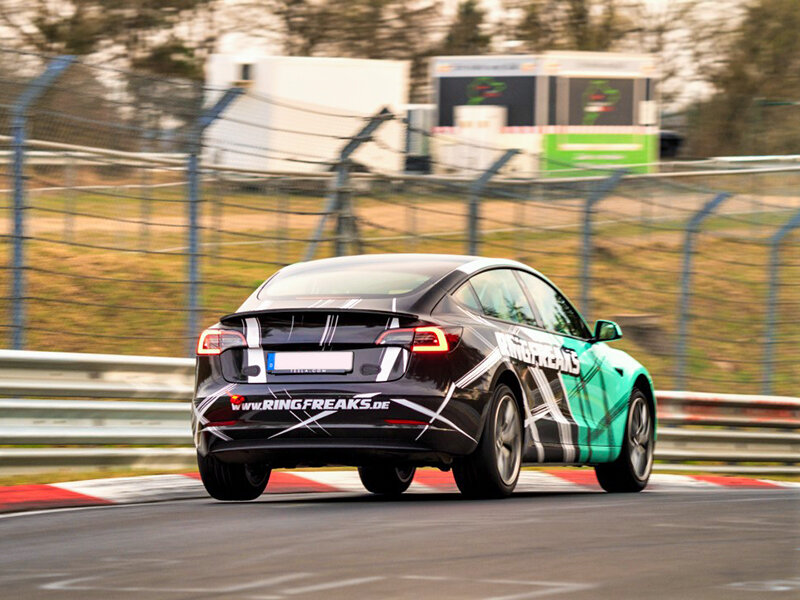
[[475, 190], [772, 299], [339, 201], [19, 118], [692, 228], [601, 191], [207, 116]]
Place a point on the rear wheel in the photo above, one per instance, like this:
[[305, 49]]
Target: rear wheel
[[225, 481], [492, 470], [386, 480], [631, 471]]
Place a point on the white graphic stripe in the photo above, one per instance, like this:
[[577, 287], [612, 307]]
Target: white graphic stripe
[[430, 413], [391, 323], [291, 412], [566, 396], [201, 408], [255, 353], [389, 358], [335, 324], [550, 400], [441, 408], [322, 415], [530, 423], [325, 331], [218, 433], [318, 424], [482, 367], [474, 317]]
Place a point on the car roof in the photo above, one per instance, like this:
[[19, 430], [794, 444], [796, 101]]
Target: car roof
[[443, 269], [441, 263]]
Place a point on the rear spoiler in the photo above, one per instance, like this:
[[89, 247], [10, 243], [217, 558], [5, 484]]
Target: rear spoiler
[[324, 310]]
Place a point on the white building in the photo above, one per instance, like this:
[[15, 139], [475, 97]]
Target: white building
[[297, 113]]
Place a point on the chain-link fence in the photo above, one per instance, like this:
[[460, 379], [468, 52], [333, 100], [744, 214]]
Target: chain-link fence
[[138, 210]]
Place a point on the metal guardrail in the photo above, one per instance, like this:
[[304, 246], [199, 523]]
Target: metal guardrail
[[697, 432]]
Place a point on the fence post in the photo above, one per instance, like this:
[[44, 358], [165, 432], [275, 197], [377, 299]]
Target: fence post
[[69, 213], [475, 190], [338, 200], [145, 202], [772, 299], [206, 117], [19, 118], [692, 228], [601, 191]]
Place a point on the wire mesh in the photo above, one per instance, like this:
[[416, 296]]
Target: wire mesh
[[106, 241]]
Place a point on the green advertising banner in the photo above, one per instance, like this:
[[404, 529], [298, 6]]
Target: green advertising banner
[[576, 154]]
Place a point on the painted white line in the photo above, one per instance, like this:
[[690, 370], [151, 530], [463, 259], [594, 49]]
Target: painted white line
[[137, 489], [344, 481], [539, 481], [65, 509], [332, 585], [72, 585], [551, 589], [666, 481], [417, 487]]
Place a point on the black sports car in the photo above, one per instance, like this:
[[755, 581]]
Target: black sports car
[[390, 362]]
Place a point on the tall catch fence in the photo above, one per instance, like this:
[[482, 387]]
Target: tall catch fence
[[137, 210]]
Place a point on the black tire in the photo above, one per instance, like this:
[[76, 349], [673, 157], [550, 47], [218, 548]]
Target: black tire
[[631, 471], [492, 470], [225, 481], [386, 480]]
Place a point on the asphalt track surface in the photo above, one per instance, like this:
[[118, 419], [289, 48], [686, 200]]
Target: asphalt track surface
[[690, 544]]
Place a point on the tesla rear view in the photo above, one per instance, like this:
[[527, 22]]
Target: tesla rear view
[[391, 362]]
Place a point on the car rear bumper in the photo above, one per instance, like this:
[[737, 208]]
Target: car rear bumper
[[318, 453], [315, 425]]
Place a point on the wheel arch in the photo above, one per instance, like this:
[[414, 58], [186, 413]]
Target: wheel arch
[[643, 383], [507, 376]]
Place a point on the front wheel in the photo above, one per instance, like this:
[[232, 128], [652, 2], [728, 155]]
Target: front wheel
[[225, 481], [386, 480], [631, 471], [492, 470]]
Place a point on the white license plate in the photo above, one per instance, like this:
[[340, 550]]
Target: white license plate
[[309, 362]]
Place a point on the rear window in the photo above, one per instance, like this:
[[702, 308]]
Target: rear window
[[361, 280]]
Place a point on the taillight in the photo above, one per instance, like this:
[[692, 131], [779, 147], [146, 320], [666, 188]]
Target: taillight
[[214, 341], [422, 339]]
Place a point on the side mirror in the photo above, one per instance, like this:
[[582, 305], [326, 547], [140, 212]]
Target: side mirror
[[606, 331]]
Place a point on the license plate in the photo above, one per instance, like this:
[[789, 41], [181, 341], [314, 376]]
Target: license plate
[[309, 362]]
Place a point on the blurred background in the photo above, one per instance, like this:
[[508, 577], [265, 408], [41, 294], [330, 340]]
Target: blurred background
[[160, 160]]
